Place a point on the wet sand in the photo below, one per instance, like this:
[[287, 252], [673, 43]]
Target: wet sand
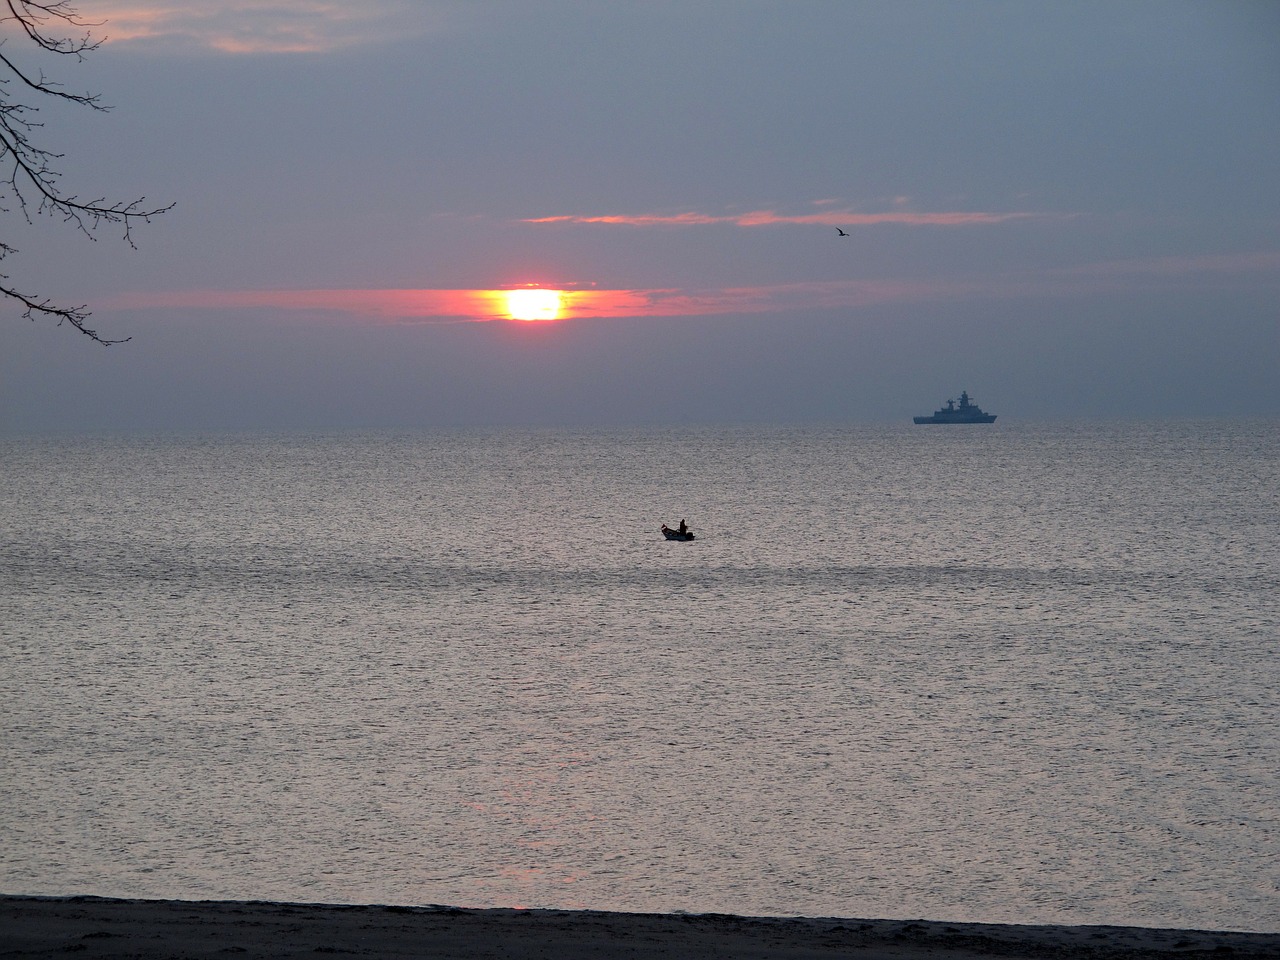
[[93, 927]]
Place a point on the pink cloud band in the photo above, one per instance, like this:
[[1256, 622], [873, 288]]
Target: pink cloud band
[[451, 305], [765, 218]]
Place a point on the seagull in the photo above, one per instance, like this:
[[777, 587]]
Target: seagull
[[841, 232]]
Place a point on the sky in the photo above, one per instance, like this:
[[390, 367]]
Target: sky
[[1067, 209]]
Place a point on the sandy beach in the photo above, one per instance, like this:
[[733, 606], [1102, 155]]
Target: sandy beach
[[93, 927]]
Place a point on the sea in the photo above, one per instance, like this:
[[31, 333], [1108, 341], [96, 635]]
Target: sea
[[1017, 673]]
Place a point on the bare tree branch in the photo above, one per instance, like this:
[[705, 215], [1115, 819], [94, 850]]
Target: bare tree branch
[[32, 17], [76, 316], [26, 169]]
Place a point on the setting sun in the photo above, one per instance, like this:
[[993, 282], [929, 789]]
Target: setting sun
[[533, 303]]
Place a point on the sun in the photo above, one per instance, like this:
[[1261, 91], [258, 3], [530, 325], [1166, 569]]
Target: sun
[[533, 303]]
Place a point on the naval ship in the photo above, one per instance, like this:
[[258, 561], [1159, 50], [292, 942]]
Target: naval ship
[[966, 412]]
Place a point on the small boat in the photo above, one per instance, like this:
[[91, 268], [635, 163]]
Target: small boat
[[966, 412], [670, 534]]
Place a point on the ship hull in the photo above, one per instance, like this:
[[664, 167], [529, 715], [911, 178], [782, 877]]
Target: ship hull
[[984, 418]]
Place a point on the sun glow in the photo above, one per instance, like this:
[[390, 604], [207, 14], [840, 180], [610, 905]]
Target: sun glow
[[533, 303]]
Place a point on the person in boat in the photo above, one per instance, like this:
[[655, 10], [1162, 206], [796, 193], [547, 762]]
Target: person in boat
[[682, 528]]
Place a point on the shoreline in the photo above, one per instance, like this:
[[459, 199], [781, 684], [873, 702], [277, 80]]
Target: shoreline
[[102, 927]]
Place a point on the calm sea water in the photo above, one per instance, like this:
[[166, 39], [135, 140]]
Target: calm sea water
[[1012, 673]]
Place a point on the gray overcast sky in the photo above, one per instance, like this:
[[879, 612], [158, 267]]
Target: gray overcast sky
[[1069, 209]]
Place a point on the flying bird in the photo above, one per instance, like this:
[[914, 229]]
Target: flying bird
[[841, 232]]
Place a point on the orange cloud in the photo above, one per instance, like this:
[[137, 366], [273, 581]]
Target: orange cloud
[[375, 304], [256, 26], [768, 218], [482, 305], [450, 305]]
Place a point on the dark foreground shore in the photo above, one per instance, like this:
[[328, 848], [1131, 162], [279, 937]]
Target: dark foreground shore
[[92, 927]]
